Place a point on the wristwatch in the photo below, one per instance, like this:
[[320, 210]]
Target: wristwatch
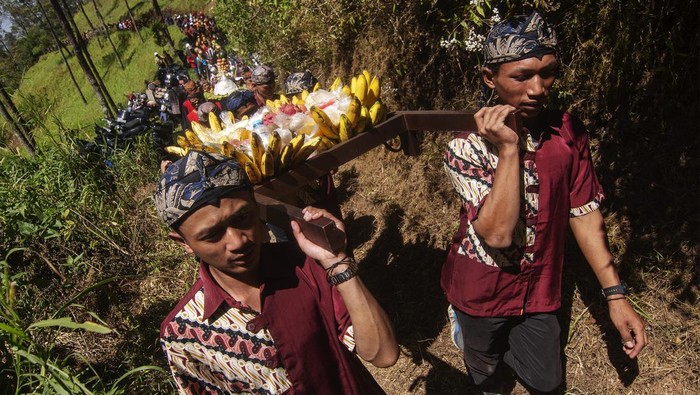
[[620, 289]]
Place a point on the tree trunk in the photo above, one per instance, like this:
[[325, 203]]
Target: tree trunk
[[133, 21], [92, 27], [78, 50], [88, 58], [106, 32], [10, 104], [26, 142], [158, 11], [60, 49]]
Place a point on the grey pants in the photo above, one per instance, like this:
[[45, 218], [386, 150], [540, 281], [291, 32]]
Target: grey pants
[[529, 345]]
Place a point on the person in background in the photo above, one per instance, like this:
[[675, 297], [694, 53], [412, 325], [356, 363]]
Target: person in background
[[246, 102], [194, 97], [520, 190], [204, 109], [298, 82], [286, 317]]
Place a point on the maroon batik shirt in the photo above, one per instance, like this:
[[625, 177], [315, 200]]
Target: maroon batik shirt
[[300, 343], [557, 182]]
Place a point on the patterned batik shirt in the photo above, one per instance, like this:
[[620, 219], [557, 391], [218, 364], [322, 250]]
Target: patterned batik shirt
[[557, 181], [216, 345]]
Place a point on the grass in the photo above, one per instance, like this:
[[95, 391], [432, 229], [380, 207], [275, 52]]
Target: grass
[[47, 92]]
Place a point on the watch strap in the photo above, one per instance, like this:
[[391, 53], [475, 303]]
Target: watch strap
[[619, 289]]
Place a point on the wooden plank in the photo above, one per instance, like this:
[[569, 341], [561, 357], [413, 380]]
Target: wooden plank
[[406, 124]]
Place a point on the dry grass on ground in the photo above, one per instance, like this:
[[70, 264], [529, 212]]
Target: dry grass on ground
[[401, 213]]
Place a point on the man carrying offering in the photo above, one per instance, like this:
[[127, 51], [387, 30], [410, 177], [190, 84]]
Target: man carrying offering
[[282, 318], [520, 191]]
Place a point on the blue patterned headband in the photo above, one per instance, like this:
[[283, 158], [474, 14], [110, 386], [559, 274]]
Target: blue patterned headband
[[194, 180], [519, 37]]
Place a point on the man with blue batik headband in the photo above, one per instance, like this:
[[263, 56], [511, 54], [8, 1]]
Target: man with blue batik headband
[[262, 317], [519, 193]]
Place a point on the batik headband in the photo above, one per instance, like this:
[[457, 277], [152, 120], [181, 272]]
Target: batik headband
[[519, 37], [194, 180]]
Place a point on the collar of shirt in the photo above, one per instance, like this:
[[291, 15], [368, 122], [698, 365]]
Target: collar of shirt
[[273, 276]]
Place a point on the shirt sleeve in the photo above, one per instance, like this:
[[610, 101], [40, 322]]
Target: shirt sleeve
[[586, 192], [469, 171], [176, 363]]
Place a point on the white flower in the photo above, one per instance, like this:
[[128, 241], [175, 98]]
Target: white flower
[[496, 17]]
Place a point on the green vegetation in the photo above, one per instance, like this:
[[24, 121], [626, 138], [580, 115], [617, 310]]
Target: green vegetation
[[48, 93], [91, 241]]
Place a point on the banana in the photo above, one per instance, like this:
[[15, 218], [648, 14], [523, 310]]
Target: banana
[[192, 138], [267, 167], [182, 142], [368, 77], [253, 173], [306, 150], [278, 104], [176, 150], [214, 123], [375, 86], [354, 111], [231, 117], [256, 148], [373, 92], [304, 94], [325, 144], [337, 83], [275, 143], [295, 101], [271, 105], [297, 142], [345, 128], [284, 99], [346, 90], [353, 85], [364, 111], [378, 112], [286, 156], [324, 123], [361, 88], [363, 124], [309, 129], [316, 87], [241, 157], [198, 129], [227, 149]]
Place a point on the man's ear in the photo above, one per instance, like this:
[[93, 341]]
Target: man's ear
[[488, 75], [181, 240]]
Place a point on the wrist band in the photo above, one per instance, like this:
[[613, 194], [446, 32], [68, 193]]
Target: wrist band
[[618, 298], [620, 289], [345, 275]]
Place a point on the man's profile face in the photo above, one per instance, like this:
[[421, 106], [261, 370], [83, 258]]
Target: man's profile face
[[524, 84], [266, 91], [226, 235]]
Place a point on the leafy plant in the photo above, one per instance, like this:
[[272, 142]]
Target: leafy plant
[[35, 367]]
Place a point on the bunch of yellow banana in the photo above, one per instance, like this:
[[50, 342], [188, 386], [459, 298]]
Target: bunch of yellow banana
[[366, 109], [264, 163]]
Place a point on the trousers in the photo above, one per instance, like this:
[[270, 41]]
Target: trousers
[[529, 344]]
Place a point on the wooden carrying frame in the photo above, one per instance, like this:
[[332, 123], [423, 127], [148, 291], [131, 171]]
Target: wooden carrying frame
[[404, 124]]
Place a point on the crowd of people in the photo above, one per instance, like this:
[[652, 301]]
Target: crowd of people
[[283, 315]]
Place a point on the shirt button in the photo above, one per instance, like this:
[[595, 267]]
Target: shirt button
[[250, 327]]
